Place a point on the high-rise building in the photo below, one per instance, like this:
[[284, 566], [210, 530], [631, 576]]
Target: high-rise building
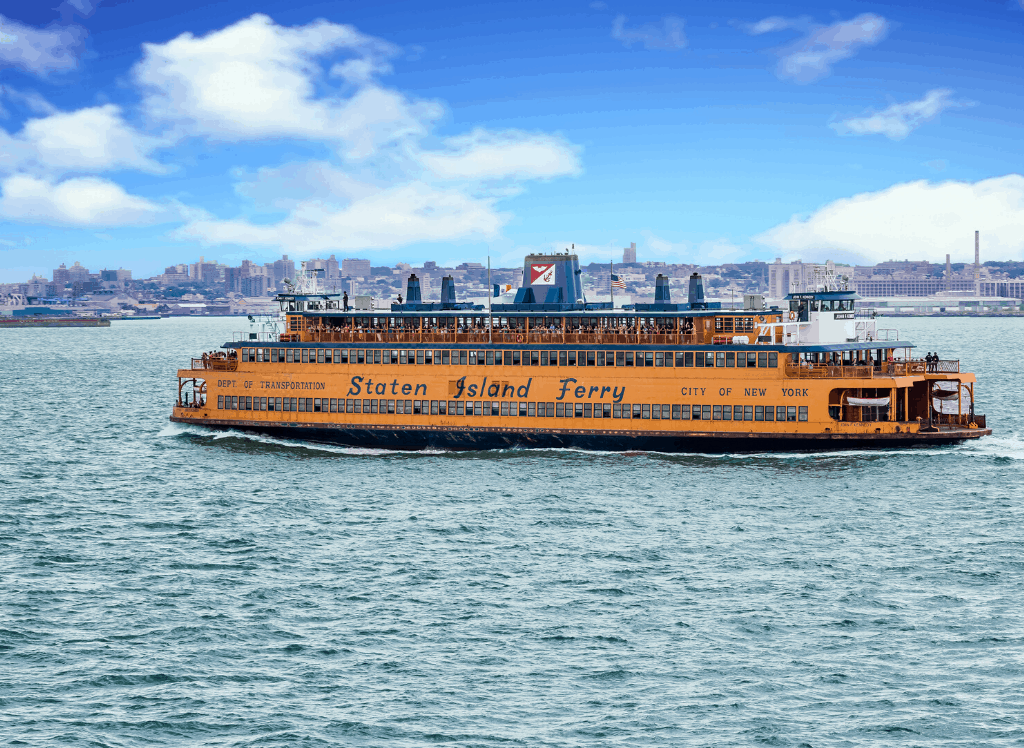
[[253, 285], [204, 272], [283, 268], [629, 254], [355, 267], [77, 273], [61, 276]]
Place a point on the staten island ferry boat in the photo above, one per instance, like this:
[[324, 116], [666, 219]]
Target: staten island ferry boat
[[552, 370]]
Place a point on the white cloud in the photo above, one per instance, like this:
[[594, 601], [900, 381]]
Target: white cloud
[[914, 219], [255, 80], [86, 201], [668, 36], [899, 120], [94, 139], [486, 155], [39, 51], [811, 57], [387, 218]]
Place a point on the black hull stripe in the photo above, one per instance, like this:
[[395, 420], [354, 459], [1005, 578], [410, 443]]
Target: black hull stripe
[[483, 437]]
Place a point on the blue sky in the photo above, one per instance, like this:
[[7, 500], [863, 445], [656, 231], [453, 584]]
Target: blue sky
[[137, 136]]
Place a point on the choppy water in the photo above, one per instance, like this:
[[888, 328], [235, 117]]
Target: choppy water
[[169, 586]]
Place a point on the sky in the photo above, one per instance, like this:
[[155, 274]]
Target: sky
[[141, 135]]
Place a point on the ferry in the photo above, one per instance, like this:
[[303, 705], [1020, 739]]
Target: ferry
[[551, 370]]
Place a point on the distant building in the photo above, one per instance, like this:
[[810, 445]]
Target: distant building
[[629, 254], [283, 268], [205, 272], [253, 285], [355, 268], [77, 273], [61, 276], [120, 275]]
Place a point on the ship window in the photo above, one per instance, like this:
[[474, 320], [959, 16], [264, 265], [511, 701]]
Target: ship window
[[550, 410], [417, 407], [758, 412], [696, 412], [572, 358], [709, 359], [516, 358], [685, 413], [394, 357], [543, 358], [649, 359], [420, 358], [321, 356], [433, 407], [377, 356], [699, 358], [428, 357], [600, 358], [442, 407], [463, 357], [531, 410], [317, 405], [302, 405], [720, 359], [790, 413], [769, 413], [727, 413], [629, 358], [773, 360], [472, 358], [495, 408], [680, 358], [490, 358], [563, 359], [748, 413], [341, 355], [499, 357], [688, 358], [220, 402], [620, 358], [730, 359], [607, 408], [591, 358], [762, 360], [334, 405], [705, 412], [741, 360], [245, 355], [751, 359], [304, 356], [637, 410], [481, 358], [522, 409], [534, 358], [277, 403], [504, 408], [288, 355], [656, 412], [578, 410], [616, 410], [445, 358], [803, 412], [588, 410], [560, 410], [737, 412], [639, 358], [329, 356], [675, 412]]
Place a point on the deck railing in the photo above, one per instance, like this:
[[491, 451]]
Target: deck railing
[[825, 371], [215, 363], [497, 337], [888, 368]]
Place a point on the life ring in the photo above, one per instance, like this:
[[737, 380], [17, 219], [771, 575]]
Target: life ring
[[519, 338], [792, 316], [761, 318]]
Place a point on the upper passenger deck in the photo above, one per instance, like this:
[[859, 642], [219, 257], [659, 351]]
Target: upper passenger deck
[[541, 315]]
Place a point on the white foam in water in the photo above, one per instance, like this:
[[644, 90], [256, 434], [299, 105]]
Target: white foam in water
[[1011, 447]]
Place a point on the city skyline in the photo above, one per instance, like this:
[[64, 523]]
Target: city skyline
[[134, 137]]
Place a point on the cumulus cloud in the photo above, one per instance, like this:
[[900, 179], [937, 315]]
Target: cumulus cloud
[[256, 80], [899, 120], [91, 139], [81, 202], [914, 219], [811, 57], [667, 36], [487, 155], [39, 51], [387, 218]]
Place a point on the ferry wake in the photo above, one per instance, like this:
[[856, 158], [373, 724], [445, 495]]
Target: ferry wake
[[552, 370]]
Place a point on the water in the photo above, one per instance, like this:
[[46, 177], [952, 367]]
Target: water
[[170, 586]]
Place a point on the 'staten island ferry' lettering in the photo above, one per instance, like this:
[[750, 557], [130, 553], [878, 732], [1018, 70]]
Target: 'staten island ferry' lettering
[[551, 370]]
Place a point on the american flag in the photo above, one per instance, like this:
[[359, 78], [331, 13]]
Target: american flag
[[618, 283]]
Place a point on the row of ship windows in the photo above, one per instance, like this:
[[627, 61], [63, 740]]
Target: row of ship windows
[[662, 411], [739, 359]]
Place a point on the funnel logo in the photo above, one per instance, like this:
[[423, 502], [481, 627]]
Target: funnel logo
[[542, 275]]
